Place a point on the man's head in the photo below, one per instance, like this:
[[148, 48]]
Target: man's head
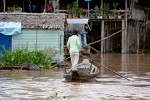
[[75, 32]]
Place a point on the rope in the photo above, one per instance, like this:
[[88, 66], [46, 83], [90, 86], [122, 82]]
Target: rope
[[106, 37], [95, 50]]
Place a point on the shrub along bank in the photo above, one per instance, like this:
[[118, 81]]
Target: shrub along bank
[[42, 58]]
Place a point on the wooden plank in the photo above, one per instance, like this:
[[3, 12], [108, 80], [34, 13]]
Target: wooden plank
[[118, 10]]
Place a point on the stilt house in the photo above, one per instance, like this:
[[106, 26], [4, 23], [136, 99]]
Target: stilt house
[[116, 25]]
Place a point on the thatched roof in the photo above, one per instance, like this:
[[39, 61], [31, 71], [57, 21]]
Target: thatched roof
[[36, 20]]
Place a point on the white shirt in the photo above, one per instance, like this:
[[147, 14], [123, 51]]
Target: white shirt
[[73, 44]]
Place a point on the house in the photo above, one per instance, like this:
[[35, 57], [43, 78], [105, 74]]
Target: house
[[125, 34], [38, 31]]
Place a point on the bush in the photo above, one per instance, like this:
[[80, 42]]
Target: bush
[[14, 9], [23, 56]]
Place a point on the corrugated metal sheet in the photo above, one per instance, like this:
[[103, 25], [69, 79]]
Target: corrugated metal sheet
[[76, 24], [77, 21], [40, 39]]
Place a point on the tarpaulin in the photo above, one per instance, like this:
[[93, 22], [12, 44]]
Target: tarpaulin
[[10, 28], [76, 24]]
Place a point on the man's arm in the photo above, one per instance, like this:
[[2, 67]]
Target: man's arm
[[78, 43]]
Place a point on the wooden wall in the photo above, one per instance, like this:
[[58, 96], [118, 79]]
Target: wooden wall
[[137, 12]]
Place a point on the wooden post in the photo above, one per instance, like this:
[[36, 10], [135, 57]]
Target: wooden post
[[4, 5], [102, 63], [102, 36], [126, 25], [78, 2], [102, 3], [108, 40], [54, 1], [130, 36], [102, 31], [23, 5], [30, 5], [45, 7], [123, 37], [101, 7], [138, 37], [124, 61], [58, 4]]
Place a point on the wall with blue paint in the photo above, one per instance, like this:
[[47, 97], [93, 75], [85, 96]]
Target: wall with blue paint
[[40, 39], [5, 41]]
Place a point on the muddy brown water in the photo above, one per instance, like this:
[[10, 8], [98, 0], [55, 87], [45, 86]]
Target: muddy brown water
[[20, 85]]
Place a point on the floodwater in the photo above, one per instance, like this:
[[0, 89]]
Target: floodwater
[[129, 81]]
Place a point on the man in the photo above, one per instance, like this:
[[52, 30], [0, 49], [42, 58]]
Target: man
[[73, 44]]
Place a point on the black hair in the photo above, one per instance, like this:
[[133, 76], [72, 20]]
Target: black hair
[[75, 32]]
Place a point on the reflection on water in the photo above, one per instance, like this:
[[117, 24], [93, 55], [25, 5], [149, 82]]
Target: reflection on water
[[20, 85]]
